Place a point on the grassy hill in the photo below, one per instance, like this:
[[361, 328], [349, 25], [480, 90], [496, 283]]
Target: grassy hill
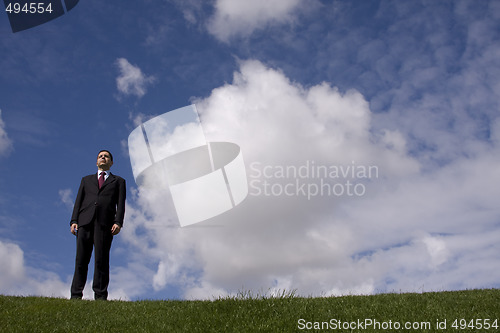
[[457, 311]]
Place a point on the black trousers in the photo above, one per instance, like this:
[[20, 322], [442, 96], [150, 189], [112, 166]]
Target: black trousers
[[93, 235]]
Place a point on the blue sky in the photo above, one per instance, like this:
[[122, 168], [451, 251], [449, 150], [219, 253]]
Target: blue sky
[[410, 87]]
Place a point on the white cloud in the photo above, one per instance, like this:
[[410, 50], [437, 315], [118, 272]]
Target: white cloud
[[241, 18], [66, 196], [5, 142], [17, 279], [434, 85], [412, 230], [132, 80], [495, 131], [127, 282], [12, 262]]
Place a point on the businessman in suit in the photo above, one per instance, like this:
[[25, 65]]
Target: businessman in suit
[[97, 216]]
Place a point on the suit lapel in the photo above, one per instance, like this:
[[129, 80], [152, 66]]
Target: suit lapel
[[94, 180], [111, 178]]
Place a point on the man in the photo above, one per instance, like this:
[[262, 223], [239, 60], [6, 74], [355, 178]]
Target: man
[[97, 216]]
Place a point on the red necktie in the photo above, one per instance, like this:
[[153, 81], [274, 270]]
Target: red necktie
[[101, 179]]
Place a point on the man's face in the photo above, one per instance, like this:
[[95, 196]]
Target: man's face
[[104, 161]]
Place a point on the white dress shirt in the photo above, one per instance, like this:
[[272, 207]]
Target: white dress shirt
[[106, 174]]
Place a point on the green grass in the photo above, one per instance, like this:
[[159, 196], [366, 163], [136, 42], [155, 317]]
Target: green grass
[[243, 314]]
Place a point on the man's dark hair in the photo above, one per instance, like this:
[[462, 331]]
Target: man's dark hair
[[107, 151]]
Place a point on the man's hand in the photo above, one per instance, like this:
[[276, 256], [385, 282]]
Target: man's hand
[[74, 228], [115, 229]]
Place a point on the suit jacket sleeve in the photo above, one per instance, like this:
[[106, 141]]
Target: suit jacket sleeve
[[120, 206], [78, 204]]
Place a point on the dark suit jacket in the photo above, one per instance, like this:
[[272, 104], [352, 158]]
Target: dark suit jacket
[[106, 205]]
